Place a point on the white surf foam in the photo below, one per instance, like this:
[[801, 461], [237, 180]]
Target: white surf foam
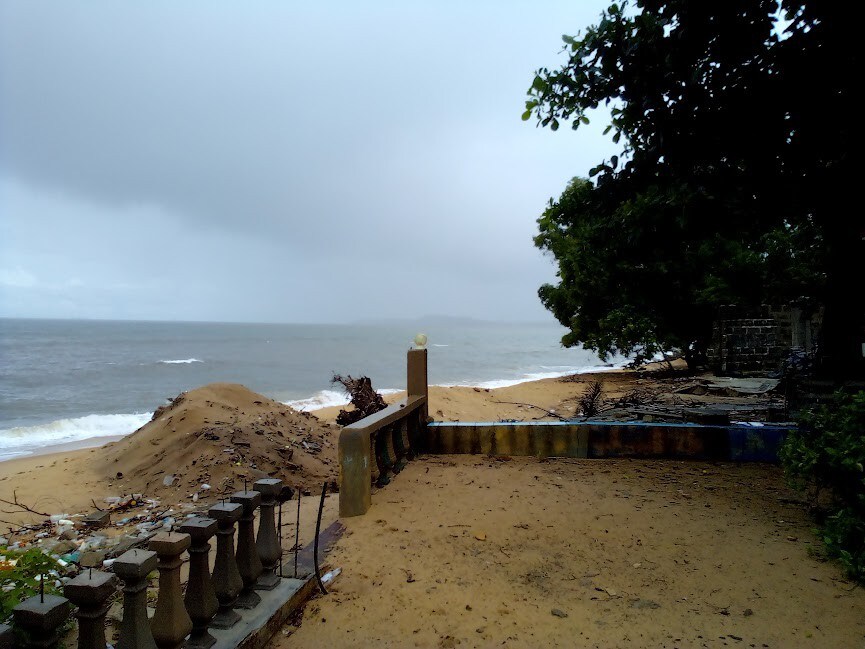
[[327, 399], [531, 376], [23, 440], [182, 361]]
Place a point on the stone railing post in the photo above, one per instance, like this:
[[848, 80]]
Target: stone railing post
[[90, 592], [248, 562], [40, 617], [171, 623], [227, 581], [132, 567], [416, 378], [200, 599], [267, 542]]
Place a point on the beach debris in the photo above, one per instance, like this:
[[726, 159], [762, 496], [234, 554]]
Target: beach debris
[[559, 612], [168, 480], [365, 400], [481, 536], [97, 520], [644, 604], [331, 576], [590, 401]]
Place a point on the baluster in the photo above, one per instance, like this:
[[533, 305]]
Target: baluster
[[414, 432], [383, 457], [226, 577], [41, 617], [90, 592], [247, 555], [267, 542], [400, 444], [171, 623], [132, 567], [200, 599]]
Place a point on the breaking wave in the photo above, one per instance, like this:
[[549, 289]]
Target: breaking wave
[[23, 440]]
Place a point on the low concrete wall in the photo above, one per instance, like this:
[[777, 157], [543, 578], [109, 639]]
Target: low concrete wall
[[542, 439], [588, 439]]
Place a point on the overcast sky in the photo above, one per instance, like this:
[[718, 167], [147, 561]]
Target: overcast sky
[[279, 161]]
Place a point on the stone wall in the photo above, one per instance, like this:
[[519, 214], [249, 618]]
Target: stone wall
[[756, 340]]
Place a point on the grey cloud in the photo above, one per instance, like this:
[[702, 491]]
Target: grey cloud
[[206, 141]]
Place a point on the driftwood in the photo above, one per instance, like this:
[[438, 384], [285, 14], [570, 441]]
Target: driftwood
[[365, 400], [20, 507]]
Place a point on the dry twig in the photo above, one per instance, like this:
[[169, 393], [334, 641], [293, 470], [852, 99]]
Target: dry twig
[[22, 507]]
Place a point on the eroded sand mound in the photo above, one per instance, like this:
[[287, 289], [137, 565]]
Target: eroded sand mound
[[219, 435]]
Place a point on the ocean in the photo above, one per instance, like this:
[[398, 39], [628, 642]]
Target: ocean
[[62, 381]]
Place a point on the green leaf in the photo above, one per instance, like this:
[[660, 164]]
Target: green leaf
[[584, 119], [527, 115]]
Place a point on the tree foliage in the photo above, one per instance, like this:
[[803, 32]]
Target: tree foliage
[[726, 188], [826, 454]]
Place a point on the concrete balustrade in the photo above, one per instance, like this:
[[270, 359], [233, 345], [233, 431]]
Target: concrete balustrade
[[387, 438], [248, 562], [227, 582], [267, 541], [132, 568], [178, 620], [40, 617], [171, 623], [200, 599], [90, 592]]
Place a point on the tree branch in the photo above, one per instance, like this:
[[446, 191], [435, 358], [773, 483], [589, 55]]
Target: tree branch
[[22, 507]]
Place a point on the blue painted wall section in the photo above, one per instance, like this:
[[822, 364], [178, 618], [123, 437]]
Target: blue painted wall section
[[588, 439]]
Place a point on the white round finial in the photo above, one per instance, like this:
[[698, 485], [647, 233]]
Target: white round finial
[[420, 341]]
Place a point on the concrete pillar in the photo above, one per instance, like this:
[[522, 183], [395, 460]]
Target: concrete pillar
[[200, 599], [267, 542], [226, 577], [40, 617], [171, 623], [416, 379], [248, 562], [90, 592], [132, 567], [355, 472]]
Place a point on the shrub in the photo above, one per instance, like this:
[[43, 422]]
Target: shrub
[[19, 577], [826, 456]]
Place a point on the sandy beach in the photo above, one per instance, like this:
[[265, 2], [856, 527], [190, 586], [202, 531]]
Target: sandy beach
[[190, 442], [483, 552], [471, 552]]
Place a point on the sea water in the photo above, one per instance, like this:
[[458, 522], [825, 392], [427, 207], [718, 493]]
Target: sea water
[[66, 380]]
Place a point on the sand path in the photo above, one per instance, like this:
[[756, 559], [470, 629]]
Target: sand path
[[470, 552]]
